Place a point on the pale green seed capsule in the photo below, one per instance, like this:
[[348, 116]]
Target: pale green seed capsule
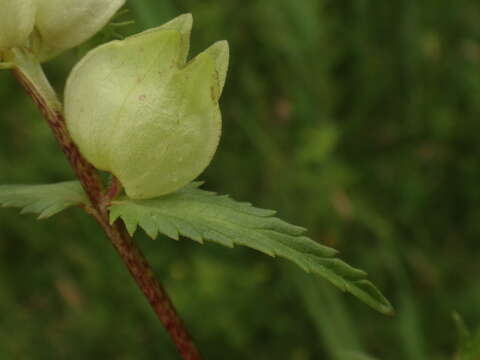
[[48, 27], [16, 25], [137, 110], [64, 24]]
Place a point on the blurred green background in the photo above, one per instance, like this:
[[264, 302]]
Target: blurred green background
[[357, 119]]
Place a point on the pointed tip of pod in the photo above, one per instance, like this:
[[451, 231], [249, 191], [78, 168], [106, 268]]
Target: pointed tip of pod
[[212, 64], [220, 53], [181, 24]]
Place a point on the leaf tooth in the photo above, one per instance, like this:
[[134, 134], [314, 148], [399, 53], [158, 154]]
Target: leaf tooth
[[25, 211], [369, 294], [331, 277], [36, 207], [50, 211], [302, 244], [12, 203], [218, 237], [185, 228], [342, 268], [302, 264], [281, 226], [149, 226], [254, 240], [131, 224], [317, 248], [262, 212], [245, 207], [195, 184], [114, 213], [165, 226]]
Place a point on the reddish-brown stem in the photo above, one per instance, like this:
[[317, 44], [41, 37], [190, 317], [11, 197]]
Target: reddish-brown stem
[[124, 244], [153, 290], [114, 190], [84, 171]]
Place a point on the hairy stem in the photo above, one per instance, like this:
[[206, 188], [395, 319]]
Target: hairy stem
[[30, 74]]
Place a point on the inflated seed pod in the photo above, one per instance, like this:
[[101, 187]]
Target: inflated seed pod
[[16, 25], [59, 24], [136, 109], [64, 24]]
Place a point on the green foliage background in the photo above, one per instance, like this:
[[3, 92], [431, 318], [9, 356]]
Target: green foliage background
[[357, 119]]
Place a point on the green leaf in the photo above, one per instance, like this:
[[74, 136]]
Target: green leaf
[[202, 215], [44, 200]]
